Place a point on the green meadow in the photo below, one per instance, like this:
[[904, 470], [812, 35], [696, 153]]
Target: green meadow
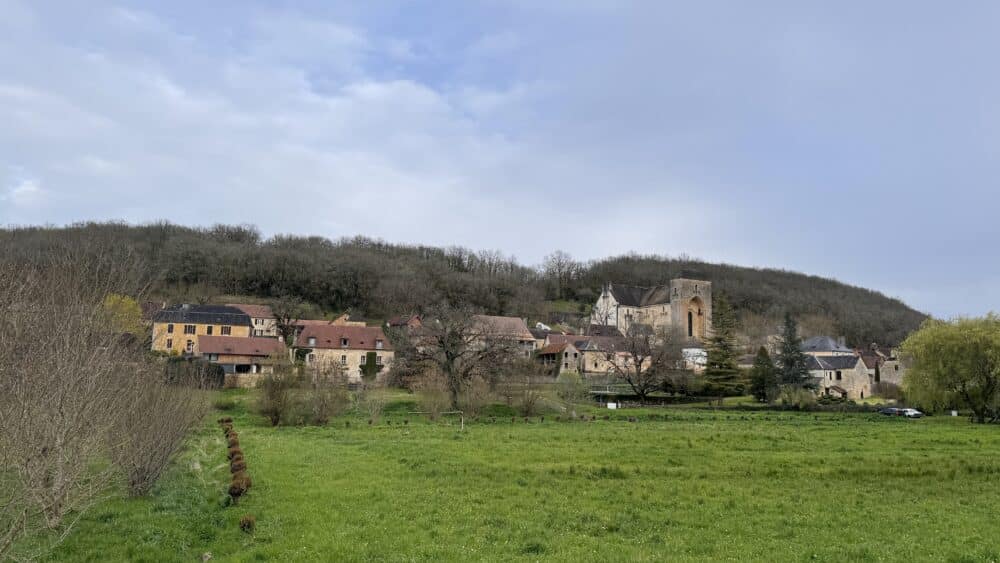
[[676, 484]]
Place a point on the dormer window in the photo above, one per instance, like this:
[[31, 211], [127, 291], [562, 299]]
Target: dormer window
[[378, 344], [344, 343], [312, 340]]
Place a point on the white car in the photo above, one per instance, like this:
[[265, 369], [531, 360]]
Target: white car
[[911, 413]]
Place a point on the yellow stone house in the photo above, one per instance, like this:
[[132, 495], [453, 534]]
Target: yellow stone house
[[176, 328]]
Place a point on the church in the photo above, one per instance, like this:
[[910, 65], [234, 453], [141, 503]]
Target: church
[[684, 305]]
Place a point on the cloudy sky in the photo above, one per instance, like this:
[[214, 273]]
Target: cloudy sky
[[855, 140]]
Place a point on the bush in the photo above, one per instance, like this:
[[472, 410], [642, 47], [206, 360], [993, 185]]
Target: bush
[[326, 396], [247, 523], [571, 388], [476, 397], [796, 397], [276, 402], [239, 486], [224, 404], [432, 393], [234, 452], [233, 441], [237, 465]]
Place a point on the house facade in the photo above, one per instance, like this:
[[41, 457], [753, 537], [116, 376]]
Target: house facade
[[351, 348], [244, 360], [684, 306], [560, 358], [262, 321], [511, 329], [842, 376], [176, 329]]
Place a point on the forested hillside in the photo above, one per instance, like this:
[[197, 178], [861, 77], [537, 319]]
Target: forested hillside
[[376, 279]]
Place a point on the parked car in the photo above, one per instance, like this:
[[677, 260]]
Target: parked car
[[895, 411]]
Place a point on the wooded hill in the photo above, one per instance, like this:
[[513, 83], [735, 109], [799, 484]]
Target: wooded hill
[[375, 279]]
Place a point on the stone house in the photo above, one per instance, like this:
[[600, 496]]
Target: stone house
[[560, 358], [176, 328], [684, 306], [598, 354], [841, 376], [262, 319], [351, 348], [244, 360], [511, 329]]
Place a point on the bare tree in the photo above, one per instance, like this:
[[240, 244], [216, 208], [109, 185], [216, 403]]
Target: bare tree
[[460, 347], [68, 381], [644, 358], [287, 311], [560, 269]]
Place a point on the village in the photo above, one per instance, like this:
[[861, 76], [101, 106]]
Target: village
[[245, 340]]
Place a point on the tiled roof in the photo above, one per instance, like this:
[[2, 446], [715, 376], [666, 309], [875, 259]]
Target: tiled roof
[[635, 296], [331, 337], [824, 344], [832, 362], [553, 349], [255, 311], [236, 346], [202, 314], [512, 327]]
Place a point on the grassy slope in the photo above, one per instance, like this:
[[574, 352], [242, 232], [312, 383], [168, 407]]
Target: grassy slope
[[700, 485]]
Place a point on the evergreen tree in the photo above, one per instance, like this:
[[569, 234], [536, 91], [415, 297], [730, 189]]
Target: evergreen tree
[[763, 377], [792, 362], [721, 371]]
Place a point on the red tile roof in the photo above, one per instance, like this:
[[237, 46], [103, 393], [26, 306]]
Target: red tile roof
[[236, 346], [553, 349], [331, 336], [254, 311]]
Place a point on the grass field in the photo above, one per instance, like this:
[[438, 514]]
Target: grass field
[[697, 485]]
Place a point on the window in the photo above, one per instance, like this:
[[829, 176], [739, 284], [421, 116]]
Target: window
[[378, 344], [189, 329], [566, 365], [189, 347], [364, 359], [208, 330], [896, 367], [343, 360], [378, 360], [170, 329], [170, 343], [839, 376], [565, 354], [312, 340], [344, 343], [311, 358], [258, 321], [227, 330], [213, 357]]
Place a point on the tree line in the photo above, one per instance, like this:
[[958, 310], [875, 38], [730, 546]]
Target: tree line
[[375, 279]]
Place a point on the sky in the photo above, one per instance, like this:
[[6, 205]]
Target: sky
[[855, 140]]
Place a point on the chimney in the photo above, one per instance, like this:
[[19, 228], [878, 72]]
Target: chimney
[[842, 341]]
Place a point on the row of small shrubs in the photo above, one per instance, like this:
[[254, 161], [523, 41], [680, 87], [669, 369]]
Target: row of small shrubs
[[241, 481]]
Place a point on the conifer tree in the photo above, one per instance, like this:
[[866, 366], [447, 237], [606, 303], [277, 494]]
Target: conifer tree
[[793, 368], [763, 377], [721, 371]]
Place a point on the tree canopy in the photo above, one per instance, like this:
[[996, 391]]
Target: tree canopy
[[956, 364]]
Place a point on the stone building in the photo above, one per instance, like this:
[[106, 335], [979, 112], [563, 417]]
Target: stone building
[[261, 319], [176, 328], [841, 376], [684, 305], [244, 360], [350, 347]]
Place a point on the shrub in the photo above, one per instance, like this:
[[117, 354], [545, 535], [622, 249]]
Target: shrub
[[226, 420], [432, 393], [326, 395], [476, 396], [796, 397], [571, 388], [233, 441], [237, 465], [239, 486], [234, 452], [247, 523], [276, 401], [224, 404]]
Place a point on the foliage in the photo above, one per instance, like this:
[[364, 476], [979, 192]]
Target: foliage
[[376, 279], [276, 400], [721, 371], [432, 392], [763, 377], [796, 396], [123, 314], [793, 369], [571, 388], [956, 364]]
